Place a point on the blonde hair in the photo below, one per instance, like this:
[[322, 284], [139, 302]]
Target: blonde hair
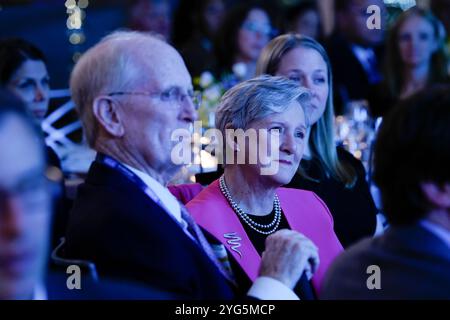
[[322, 143]]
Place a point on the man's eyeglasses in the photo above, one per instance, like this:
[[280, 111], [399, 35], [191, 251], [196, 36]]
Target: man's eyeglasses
[[170, 95]]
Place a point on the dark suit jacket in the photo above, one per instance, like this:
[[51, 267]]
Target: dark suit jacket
[[350, 80], [117, 226], [414, 264]]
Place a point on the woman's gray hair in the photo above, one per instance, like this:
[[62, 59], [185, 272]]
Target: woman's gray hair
[[256, 99]]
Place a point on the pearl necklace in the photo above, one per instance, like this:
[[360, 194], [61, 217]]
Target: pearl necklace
[[252, 224]]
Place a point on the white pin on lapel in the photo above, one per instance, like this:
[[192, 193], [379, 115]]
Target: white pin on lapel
[[233, 241]]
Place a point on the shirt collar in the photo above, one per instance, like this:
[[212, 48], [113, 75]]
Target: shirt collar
[[170, 203]]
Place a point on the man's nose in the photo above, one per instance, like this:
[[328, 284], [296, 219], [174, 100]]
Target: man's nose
[[189, 110]]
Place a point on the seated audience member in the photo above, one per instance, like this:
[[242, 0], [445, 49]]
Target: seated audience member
[[355, 51], [195, 27], [304, 19], [331, 172], [25, 206], [412, 259], [250, 202], [150, 16], [133, 91], [245, 30], [23, 72], [415, 58]]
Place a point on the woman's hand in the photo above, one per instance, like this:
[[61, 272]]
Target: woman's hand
[[288, 254]]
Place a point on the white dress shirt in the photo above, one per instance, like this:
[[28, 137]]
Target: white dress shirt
[[263, 288], [364, 55]]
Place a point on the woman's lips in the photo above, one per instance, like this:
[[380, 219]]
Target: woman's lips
[[287, 162]]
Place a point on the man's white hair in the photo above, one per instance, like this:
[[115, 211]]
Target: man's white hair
[[111, 65]]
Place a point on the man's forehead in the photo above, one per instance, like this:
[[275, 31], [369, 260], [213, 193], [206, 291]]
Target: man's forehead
[[168, 71]]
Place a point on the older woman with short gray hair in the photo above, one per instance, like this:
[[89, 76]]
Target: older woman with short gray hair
[[247, 204]]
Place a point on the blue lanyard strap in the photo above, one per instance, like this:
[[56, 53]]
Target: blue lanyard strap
[[115, 165], [196, 235]]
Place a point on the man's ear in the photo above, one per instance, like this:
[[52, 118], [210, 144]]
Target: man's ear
[[230, 138], [437, 195], [106, 111]]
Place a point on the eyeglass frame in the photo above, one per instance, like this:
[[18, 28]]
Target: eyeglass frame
[[169, 95]]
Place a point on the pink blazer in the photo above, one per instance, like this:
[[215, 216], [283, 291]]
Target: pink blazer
[[304, 211], [185, 192]]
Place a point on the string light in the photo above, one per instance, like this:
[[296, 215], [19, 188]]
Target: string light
[[76, 15]]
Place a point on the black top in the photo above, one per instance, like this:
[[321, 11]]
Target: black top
[[353, 210]]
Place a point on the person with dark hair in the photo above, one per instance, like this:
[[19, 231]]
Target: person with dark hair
[[411, 168], [415, 58], [355, 51], [23, 72], [153, 16], [246, 29], [304, 19], [195, 27]]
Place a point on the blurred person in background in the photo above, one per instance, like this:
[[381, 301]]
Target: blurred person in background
[[151, 16], [23, 72], [355, 51], [304, 18], [415, 58], [25, 203], [411, 260], [245, 30], [195, 27]]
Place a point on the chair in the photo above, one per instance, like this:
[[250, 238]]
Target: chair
[[57, 257]]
